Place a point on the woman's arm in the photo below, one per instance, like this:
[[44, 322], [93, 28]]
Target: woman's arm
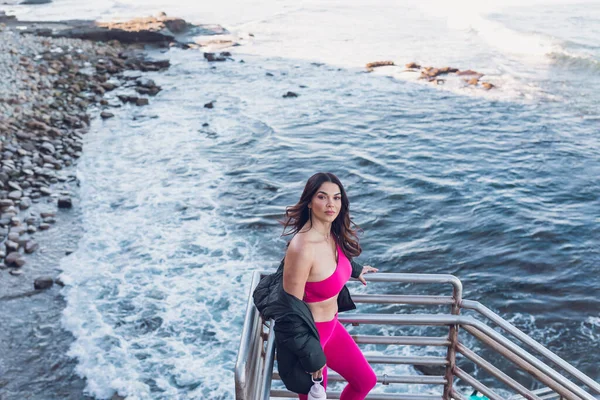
[[358, 271], [298, 262]]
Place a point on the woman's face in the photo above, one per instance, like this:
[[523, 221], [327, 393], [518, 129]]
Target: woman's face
[[327, 202]]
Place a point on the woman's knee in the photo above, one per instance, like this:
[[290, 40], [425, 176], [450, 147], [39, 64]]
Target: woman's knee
[[365, 380], [370, 379]]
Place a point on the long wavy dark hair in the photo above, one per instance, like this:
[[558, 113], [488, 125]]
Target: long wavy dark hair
[[343, 229]]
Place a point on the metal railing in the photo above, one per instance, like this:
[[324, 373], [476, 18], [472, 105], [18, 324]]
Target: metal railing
[[254, 367]]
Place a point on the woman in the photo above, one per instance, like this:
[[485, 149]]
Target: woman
[[308, 290]]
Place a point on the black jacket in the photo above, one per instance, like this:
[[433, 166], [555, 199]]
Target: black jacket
[[296, 337]]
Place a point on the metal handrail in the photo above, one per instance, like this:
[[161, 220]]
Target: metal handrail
[[254, 369], [387, 379], [466, 323], [402, 340], [243, 382], [403, 299], [268, 368], [486, 312], [543, 393], [496, 372], [457, 287]]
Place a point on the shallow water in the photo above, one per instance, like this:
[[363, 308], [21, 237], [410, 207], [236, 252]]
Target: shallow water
[[499, 188]]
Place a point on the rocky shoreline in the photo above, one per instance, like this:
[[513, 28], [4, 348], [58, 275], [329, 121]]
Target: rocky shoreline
[[51, 88], [55, 77]]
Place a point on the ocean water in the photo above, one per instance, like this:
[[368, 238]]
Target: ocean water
[[497, 187]]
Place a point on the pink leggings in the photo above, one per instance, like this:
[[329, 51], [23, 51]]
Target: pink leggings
[[344, 357]]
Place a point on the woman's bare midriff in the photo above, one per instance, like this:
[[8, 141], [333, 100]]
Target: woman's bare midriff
[[325, 310]]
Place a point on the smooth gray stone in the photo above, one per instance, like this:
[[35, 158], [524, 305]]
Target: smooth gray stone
[[43, 282]]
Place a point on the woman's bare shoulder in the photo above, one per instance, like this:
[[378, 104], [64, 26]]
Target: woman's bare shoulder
[[303, 241], [301, 247]]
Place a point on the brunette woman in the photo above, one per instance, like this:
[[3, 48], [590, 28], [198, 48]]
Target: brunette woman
[[307, 292]]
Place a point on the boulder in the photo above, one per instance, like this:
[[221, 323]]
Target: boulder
[[25, 203], [31, 246], [376, 64], [45, 191], [6, 203], [65, 202], [19, 230], [154, 65], [43, 282], [14, 259], [14, 185], [37, 125], [153, 91], [48, 148], [22, 240], [107, 86], [11, 246], [448, 70], [15, 195], [212, 57], [145, 82], [125, 98]]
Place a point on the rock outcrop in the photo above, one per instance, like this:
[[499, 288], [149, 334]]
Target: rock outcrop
[[160, 30], [431, 74], [370, 66]]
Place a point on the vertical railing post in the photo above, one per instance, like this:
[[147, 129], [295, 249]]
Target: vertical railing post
[[267, 371], [453, 338]]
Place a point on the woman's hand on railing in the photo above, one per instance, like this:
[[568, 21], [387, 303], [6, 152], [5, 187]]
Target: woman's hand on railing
[[367, 269]]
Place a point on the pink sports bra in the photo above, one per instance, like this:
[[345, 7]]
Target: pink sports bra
[[330, 286]]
